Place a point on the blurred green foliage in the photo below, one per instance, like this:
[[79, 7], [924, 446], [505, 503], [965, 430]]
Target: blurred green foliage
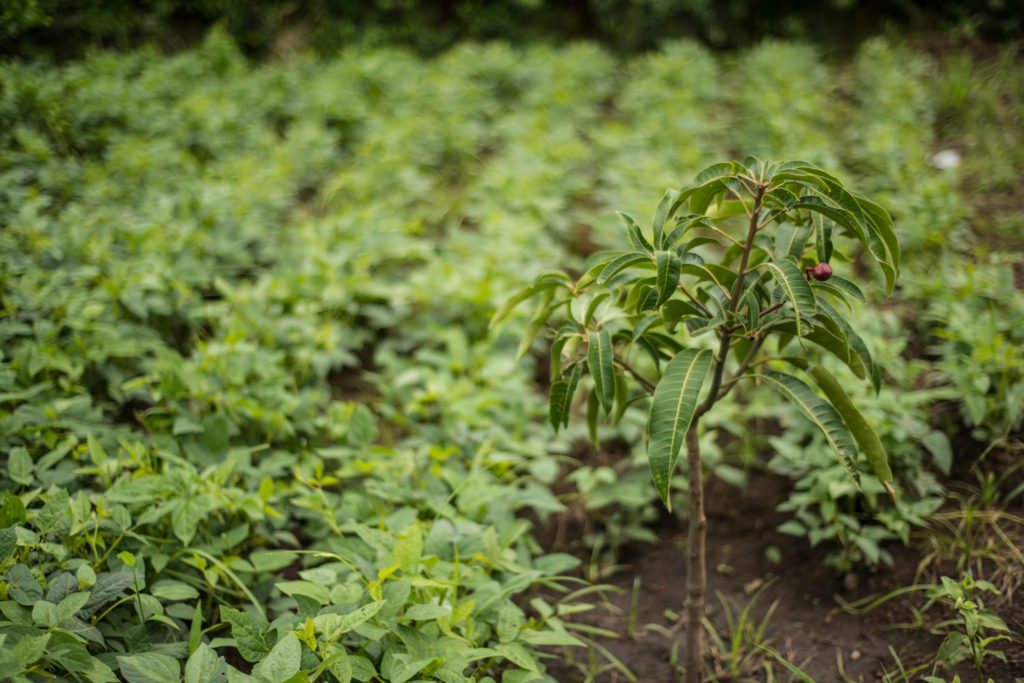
[[243, 312], [68, 27]]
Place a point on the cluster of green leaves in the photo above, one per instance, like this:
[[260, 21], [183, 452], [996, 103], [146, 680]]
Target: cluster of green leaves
[[243, 312], [176, 339], [678, 284], [268, 26]]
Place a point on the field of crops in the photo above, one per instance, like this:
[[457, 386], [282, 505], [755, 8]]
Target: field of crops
[[254, 424]]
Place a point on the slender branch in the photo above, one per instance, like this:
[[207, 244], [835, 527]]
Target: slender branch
[[772, 309], [772, 218], [692, 298], [744, 366], [753, 192], [644, 382]]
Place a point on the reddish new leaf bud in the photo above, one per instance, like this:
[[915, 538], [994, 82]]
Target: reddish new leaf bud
[[822, 272]]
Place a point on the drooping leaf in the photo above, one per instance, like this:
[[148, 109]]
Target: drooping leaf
[[844, 285], [881, 223], [672, 409], [675, 310], [857, 346], [560, 400], [591, 309], [866, 438], [682, 225], [546, 282], [540, 316], [600, 362], [593, 267], [817, 410], [593, 408]]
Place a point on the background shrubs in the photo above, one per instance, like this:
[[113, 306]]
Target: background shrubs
[[249, 408]]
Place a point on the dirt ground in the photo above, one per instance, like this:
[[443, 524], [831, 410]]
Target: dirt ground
[[808, 627]]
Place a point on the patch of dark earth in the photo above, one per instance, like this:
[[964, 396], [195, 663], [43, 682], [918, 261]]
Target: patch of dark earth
[[808, 625]]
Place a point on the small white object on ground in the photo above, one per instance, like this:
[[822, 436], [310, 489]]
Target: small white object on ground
[[947, 158]]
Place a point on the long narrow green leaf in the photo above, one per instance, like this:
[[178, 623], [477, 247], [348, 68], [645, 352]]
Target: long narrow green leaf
[[866, 438], [711, 174], [624, 261], [548, 280], [794, 283], [881, 223], [823, 228], [828, 209], [560, 399], [675, 310], [847, 286], [592, 307], [636, 237], [801, 177], [702, 198], [792, 668], [828, 339], [857, 345], [594, 266], [593, 406], [568, 331], [661, 215], [668, 265], [602, 370], [675, 400], [540, 317], [817, 410], [644, 325], [684, 224], [510, 303], [705, 274]]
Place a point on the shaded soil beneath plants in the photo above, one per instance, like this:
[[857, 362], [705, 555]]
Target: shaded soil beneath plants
[[808, 626]]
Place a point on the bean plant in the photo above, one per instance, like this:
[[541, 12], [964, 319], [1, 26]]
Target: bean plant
[[737, 280]]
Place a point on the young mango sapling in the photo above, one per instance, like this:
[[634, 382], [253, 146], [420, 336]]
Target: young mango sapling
[[685, 312]]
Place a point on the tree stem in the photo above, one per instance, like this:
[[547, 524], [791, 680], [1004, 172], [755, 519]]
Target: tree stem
[[696, 571], [696, 537]]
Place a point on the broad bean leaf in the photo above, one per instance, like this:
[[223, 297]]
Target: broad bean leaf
[[205, 666], [253, 636], [150, 667]]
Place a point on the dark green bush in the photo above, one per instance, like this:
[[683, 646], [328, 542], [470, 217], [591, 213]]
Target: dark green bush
[[66, 27]]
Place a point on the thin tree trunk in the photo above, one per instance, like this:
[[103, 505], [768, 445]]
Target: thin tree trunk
[[696, 576]]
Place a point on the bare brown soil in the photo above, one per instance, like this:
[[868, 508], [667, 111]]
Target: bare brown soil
[[808, 627]]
